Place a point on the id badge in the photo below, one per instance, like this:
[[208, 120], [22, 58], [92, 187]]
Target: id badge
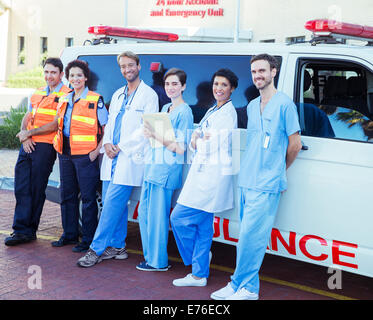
[[266, 141]]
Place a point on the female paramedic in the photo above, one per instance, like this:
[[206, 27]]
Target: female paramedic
[[82, 116], [209, 184], [163, 175]]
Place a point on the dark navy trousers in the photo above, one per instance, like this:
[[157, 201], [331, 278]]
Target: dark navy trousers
[[78, 175], [32, 171]]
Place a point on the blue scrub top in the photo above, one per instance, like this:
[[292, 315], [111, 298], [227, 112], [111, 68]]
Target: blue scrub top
[[166, 168], [263, 166], [102, 113]]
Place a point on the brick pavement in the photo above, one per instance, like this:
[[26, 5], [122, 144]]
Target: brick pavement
[[62, 279]]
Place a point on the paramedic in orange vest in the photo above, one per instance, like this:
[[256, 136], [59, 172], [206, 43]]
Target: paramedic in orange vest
[[82, 116], [37, 155]]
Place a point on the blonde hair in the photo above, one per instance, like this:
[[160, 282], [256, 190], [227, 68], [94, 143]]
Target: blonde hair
[[129, 54]]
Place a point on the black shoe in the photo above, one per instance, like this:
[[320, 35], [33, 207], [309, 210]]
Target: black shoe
[[18, 238], [63, 242], [81, 247]]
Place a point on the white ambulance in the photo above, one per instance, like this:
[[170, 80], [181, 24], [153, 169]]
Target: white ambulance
[[325, 216]]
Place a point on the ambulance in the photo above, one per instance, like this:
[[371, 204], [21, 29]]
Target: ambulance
[[326, 216]]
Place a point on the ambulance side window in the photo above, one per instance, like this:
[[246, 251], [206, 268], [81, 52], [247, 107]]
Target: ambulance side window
[[106, 78], [334, 101]]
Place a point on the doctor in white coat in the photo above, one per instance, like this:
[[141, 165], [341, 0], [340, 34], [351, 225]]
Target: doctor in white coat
[[123, 163], [209, 185]]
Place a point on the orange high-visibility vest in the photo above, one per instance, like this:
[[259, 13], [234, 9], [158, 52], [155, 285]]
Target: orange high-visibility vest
[[44, 109], [84, 127]]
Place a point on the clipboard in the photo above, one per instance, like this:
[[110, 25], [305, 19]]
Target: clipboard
[[162, 125]]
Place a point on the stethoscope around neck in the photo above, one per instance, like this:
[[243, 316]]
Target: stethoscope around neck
[[126, 94], [211, 111]]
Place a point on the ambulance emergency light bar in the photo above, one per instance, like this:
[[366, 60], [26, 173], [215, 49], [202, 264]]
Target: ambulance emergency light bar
[[325, 27], [132, 33]]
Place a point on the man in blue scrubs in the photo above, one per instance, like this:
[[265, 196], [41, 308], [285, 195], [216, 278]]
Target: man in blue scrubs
[[273, 142]]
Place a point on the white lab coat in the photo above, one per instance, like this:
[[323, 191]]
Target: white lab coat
[[209, 184], [134, 146]]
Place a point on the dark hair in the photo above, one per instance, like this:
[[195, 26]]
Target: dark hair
[[273, 63], [80, 64], [228, 74], [55, 62], [176, 72]]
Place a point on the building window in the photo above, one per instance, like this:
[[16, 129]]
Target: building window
[[69, 42], [21, 50], [43, 49], [43, 45], [291, 40], [268, 41]]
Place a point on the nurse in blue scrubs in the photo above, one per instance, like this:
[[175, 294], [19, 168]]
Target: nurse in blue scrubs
[[163, 175]]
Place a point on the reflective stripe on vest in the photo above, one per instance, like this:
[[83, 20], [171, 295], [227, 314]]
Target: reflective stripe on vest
[[50, 112], [91, 98], [81, 138], [40, 93], [84, 119]]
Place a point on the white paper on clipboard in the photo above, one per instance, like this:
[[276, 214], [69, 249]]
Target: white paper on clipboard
[[162, 125]]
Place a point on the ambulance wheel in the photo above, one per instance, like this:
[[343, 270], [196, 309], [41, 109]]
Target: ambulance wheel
[[99, 206]]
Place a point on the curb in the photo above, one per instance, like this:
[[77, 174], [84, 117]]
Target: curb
[[6, 183]]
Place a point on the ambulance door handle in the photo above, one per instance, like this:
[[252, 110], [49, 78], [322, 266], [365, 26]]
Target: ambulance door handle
[[304, 147]]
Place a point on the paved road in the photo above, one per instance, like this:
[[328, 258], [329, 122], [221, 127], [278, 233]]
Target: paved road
[[61, 279]]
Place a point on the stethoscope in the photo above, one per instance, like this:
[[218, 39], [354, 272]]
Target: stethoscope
[[125, 93], [209, 113], [205, 119]]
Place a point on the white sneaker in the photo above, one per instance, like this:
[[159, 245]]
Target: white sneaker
[[243, 294], [223, 293], [189, 281]]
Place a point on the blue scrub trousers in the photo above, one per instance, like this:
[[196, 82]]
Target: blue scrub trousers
[[154, 221], [31, 175], [257, 214], [78, 174], [112, 226], [193, 232]]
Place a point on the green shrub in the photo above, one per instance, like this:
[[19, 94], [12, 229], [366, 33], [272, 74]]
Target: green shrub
[[11, 126], [33, 78]]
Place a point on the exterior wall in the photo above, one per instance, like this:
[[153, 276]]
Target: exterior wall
[[57, 20], [286, 18], [4, 25]]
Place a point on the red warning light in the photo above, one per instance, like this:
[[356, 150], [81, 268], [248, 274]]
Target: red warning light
[[132, 33], [327, 27]]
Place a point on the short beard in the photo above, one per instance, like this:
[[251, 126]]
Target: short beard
[[266, 84]]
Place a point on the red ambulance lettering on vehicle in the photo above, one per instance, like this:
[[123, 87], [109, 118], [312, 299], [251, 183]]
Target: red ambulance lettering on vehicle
[[290, 245]]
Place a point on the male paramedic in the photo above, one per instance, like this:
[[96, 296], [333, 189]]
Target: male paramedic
[[126, 150], [273, 142], [37, 155]]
